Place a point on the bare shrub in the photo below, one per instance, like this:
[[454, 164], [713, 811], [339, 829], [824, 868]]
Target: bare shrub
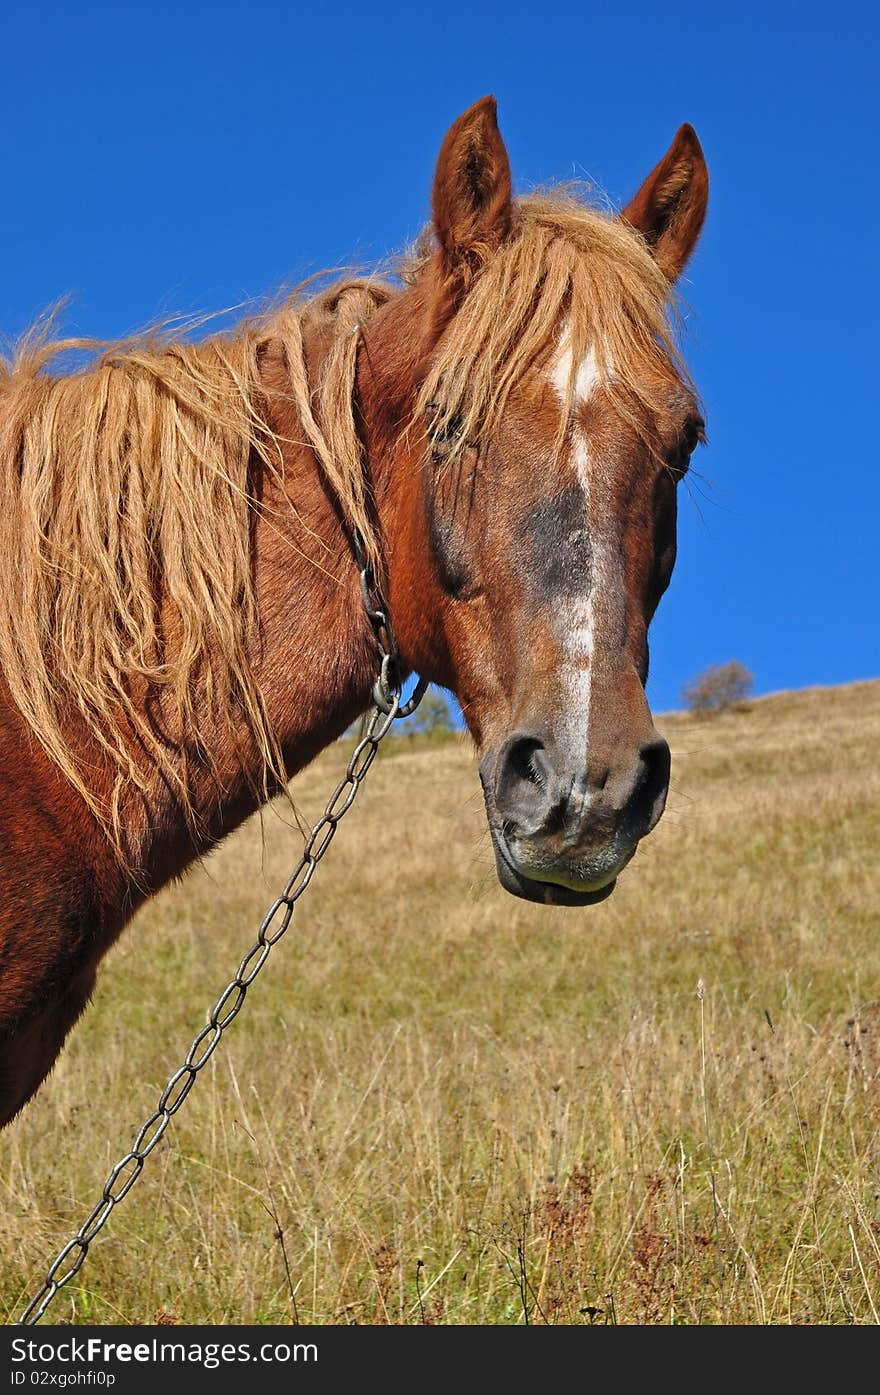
[[718, 688]]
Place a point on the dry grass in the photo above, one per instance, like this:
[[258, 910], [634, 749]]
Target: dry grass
[[444, 1105]]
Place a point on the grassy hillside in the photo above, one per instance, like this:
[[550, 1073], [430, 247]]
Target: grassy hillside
[[441, 1104]]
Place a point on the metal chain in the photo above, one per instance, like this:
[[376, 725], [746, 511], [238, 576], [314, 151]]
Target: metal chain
[[389, 654], [275, 922]]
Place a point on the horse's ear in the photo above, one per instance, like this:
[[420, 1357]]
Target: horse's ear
[[670, 207], [471, 199]]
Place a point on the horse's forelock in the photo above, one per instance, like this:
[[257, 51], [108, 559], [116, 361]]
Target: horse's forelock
[[565, 266]]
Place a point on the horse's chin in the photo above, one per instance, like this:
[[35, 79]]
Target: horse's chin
[[545, 893]]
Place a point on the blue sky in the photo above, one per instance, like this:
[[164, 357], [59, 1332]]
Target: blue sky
[[182, 157]]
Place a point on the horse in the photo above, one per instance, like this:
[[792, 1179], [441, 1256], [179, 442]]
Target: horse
[[503, 423]]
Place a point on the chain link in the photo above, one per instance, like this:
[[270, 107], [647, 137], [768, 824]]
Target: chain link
[[124, 1174]]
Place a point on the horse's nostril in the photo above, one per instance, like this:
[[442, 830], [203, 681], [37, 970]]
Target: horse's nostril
[[654, 776], [523, 775], [521, 760], [655, 757]]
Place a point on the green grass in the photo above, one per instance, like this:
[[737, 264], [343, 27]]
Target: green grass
[[444, 1105]]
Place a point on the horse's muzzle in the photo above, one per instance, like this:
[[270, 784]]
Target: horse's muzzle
[[563, 838], [546, 892]]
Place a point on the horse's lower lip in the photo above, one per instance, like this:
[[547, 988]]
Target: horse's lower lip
[[545, 893]]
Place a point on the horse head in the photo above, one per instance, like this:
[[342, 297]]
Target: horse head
[[528, 508]]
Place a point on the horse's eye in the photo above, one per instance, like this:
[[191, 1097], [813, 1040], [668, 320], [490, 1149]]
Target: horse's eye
[[693, 435], [444, 432]]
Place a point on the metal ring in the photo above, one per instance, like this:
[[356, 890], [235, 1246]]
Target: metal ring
[[412, 703]]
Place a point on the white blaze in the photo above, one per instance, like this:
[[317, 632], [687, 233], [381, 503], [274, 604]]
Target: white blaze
[[586, 377], [577, 619]]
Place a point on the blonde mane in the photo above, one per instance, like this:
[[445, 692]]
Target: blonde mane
[[125, 534], [128, 490]]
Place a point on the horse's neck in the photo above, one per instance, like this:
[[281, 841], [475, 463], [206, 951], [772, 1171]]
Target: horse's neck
[[314, 660]]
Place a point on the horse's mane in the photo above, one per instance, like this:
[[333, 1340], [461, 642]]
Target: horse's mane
[[133, 480]]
